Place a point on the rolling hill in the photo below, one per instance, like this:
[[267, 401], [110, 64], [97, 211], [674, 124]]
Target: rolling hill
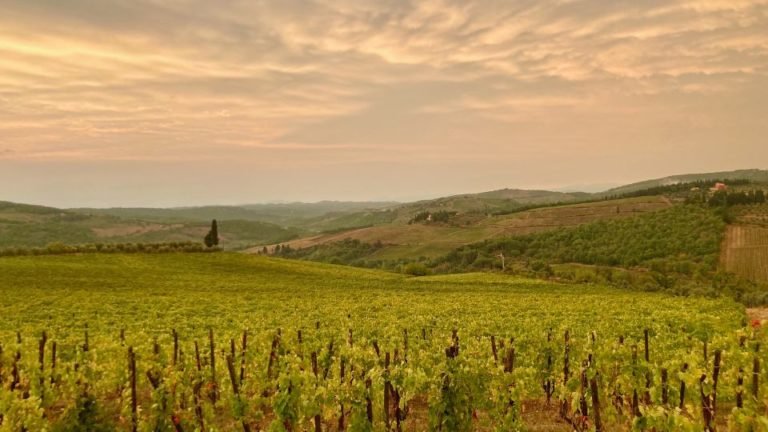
[[23, 225], [427, 228], [283, 214], [431, 228], [401, 240], [754, 175]]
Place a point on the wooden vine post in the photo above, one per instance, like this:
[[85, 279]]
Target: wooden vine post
[[132, 377], [317, 419], [53, 362], [715, 379], [509, 367], [214, 395], [236, 388], [635, 399], [756, 373], [387, 392], [706, 405], [549, 385], [593, 388], [342, 371], [648, 377], [682, 389], [564, 405]]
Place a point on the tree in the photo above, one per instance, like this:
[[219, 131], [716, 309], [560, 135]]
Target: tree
[[759, 196], [212, 238]]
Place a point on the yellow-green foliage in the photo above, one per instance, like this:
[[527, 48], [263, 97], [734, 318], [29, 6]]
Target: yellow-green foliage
[[149, 295]]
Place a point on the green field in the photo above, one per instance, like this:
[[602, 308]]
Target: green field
[[148, 296]]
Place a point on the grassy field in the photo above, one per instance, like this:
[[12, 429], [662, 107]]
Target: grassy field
[[345, 315]]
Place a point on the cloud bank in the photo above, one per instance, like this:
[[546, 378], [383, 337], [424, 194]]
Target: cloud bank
[[448, 94]]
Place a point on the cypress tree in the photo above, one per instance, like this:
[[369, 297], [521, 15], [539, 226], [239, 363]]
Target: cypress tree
[[215, 232], [212, 238]]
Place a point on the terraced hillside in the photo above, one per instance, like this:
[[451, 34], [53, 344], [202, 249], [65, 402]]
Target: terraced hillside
[[403, 240]]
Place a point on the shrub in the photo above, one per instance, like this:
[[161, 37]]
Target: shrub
[[416, 269]]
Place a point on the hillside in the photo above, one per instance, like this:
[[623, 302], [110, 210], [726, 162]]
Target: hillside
[[679, 234], [326, 216], [401, 240], [427, 228], [23, 225], [753, 175], [284, 214], [431, 228], [491, 202]]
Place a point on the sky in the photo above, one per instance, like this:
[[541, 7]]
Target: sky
[[186, 102]]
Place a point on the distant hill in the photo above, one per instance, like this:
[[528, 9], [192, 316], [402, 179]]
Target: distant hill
[[430, 228], [23, 225], [333, 216], [755, 175], [478, 205], [284, 214], [524, 196], [426, 227]]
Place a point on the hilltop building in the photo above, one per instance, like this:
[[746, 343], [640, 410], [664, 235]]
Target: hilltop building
[[719, 187]]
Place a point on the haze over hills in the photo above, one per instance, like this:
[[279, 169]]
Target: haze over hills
[[470, 217], [23, 225], [756, 175], [285, 214]]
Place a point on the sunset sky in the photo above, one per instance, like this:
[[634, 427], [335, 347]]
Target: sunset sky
[[182, 102]]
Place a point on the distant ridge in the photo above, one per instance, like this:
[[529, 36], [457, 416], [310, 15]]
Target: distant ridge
[[465, 218], [756, 175]]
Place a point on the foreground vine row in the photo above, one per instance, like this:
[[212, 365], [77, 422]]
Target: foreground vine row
[[322, 379], [184, 319]]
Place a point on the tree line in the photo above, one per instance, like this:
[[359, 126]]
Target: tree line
[[726, 198]]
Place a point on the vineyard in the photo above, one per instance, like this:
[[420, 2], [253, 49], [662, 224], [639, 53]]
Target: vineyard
[[746, 251], [192, 342]]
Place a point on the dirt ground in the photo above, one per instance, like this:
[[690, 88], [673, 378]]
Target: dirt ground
[[758, 313]]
